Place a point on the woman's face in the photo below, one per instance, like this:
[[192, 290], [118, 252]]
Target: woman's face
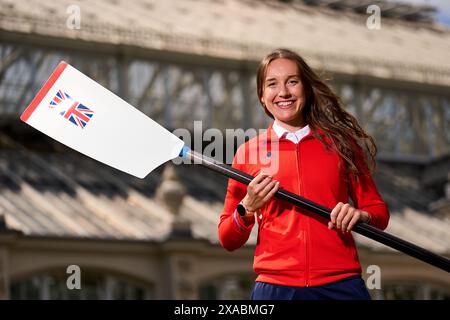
[[283, 93]]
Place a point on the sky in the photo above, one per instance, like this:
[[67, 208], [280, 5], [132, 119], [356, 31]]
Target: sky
[[443, 7]]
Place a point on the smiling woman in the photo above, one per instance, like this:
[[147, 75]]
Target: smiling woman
[[323, 155]]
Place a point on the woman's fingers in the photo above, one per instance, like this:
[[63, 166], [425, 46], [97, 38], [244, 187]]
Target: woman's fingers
[[341, 215], [256, 180], [267, 188], [352, 223], [265, 194], [334, 213], [260, 177], [345, 221], [344, 217], [271, 191], [259, 188], [259, 191]]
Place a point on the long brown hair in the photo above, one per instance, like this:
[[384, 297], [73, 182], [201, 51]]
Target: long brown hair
[[323, 109]]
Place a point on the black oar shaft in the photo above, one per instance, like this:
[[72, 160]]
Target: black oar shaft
[[361, 228]]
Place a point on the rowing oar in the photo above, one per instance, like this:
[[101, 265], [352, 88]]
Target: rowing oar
[[78, 112]]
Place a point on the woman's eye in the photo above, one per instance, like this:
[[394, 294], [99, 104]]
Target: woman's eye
[[293, 81], [271, 84]]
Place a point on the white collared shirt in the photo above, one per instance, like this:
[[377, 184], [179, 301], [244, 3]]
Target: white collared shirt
[[295, 137]]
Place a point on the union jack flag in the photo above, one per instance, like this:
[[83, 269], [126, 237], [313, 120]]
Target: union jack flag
[[76, 113], [58, 98]]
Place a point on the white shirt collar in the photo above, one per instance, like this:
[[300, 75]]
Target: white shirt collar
[[295, 137]]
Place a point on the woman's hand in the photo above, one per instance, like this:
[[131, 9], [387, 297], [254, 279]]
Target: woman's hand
[[260, 190], [344, 217]]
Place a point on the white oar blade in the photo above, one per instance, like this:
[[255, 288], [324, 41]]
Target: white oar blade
[[78, 112]]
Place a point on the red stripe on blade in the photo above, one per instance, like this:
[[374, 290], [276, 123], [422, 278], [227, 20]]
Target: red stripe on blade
[[41, 94]]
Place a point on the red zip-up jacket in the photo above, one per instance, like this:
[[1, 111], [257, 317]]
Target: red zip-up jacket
[[294, 246]]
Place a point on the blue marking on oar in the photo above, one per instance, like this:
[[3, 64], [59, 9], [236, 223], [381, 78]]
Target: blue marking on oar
[[184, 151]]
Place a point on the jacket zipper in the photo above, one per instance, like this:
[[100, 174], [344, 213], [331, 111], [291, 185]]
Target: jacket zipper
[[297, 154]]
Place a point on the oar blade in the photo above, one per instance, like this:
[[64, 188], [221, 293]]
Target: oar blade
[[80, 113]]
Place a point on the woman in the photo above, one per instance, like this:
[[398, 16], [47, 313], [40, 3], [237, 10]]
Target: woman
[[323, 155]]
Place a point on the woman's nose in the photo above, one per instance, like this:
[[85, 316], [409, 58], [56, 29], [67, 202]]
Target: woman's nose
[[284, 92]]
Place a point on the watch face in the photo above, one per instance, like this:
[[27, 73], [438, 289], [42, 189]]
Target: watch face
[[241, 209]]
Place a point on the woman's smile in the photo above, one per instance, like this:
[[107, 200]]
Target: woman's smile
[[285, 104]]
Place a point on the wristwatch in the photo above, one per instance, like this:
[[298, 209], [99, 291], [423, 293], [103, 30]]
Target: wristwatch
[[241, 209]]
